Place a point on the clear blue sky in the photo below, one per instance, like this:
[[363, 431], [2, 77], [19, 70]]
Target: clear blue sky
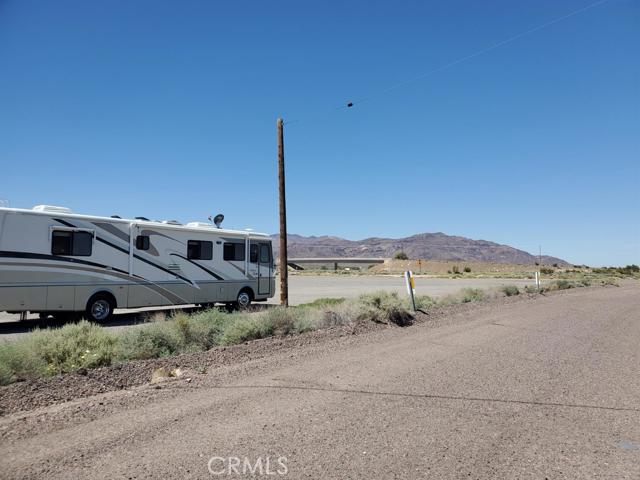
[[168, 110]]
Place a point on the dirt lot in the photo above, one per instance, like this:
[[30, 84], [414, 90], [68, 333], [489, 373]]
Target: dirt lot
[[522, 388]]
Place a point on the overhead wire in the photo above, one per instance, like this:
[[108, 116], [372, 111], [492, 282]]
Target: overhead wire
[[352, 103]]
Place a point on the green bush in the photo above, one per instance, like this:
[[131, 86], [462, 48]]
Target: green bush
[[466, 295], [563, 284], [19, 361], [48, 352], [321, 303], [472, 295], [303, 324], [249, 327], [547, 271], [424, 301], [467, 269], [384, 307], [456, 270], [282, 320], [159, 339], [510, 290], [401, 256], [73, 347]]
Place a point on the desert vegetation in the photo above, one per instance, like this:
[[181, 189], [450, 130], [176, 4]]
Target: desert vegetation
[[83, 345]]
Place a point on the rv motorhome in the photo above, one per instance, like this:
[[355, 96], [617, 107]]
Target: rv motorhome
[[53, 261]]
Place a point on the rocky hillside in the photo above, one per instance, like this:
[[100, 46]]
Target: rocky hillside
[[428, 246]]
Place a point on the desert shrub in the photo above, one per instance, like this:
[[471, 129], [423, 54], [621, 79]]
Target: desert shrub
[[530, 289], [547, 271], [629, 270], [245, 328], [158, 339], [455, 270], [205, 328], [321, 303], [473, 295], [424, 301], [341, 314], [384, 307], [19, 361], [48, 352], [610, 281], [563, 284], [73, 347], [282, 320], [466, 295], [510, 290], [401, 256], [304, 324], [467, 269], [555, 265]]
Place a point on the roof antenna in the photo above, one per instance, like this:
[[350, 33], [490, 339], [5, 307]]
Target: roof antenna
[[217, 220]]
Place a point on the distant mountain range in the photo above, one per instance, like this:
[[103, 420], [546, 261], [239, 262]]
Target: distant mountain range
[[428, 246]]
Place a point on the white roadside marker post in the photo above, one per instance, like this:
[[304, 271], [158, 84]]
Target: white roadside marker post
[[537, 277], [411, 287]]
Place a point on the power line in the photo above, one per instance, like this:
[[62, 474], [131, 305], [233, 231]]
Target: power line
[[448, 65]]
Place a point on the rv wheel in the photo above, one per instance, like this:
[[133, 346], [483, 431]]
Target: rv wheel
[[100, 308], [244, 299]]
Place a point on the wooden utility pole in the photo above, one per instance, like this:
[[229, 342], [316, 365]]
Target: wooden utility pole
[[284, 273]]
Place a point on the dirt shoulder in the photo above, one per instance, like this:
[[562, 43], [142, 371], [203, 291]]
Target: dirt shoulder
[[30, 395], [519, 387]]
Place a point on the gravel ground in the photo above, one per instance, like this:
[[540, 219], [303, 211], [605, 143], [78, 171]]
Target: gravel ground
[[541, 387]]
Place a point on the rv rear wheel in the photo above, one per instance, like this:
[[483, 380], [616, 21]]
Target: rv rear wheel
[[100, 307]]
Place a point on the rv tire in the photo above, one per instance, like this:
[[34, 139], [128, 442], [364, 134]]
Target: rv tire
[[100, 307], [245, 296]]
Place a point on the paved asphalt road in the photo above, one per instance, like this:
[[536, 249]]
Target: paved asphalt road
[[531, 390], [302, 289], [306, 288]]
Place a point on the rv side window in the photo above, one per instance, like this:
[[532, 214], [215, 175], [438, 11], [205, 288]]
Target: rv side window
[[64, 242], [199, 250], [265, 254], [142, 242], [253, 253], [233, 252]]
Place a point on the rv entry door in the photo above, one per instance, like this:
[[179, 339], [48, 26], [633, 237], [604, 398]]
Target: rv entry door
[[261, 254]]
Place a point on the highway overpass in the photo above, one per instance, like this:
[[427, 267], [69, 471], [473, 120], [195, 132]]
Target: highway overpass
[[333, 263]]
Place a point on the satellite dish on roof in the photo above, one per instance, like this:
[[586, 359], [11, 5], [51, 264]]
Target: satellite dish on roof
[[217, 220]]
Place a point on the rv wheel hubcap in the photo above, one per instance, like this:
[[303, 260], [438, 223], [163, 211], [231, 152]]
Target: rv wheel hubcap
[[244, 299], [100, 309]]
